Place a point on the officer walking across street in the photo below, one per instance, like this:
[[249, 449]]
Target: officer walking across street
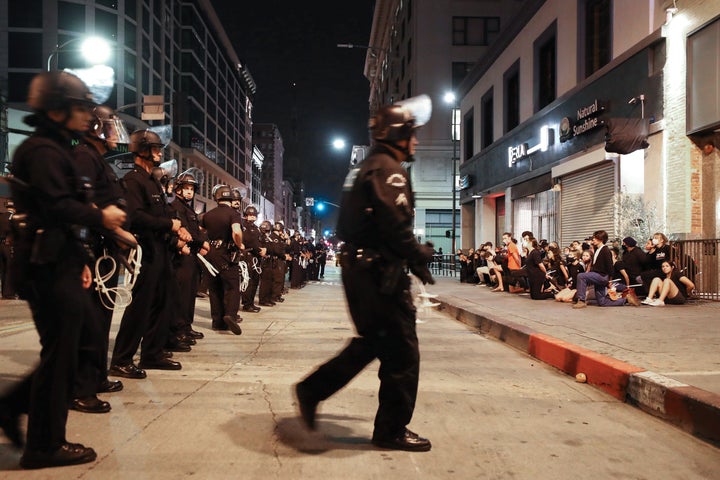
[[253, 254], [106, 131], [50, 267], [146, 320], [376, 224], [225, 236]]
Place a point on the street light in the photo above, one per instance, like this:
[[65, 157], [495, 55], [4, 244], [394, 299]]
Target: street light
[[95, 50], [338, 144], [451, 99]]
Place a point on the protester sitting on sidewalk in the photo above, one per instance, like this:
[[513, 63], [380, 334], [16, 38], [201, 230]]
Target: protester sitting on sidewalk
[[599, 274], [673, 289], [658, 251], [633, 259], [559, 274]]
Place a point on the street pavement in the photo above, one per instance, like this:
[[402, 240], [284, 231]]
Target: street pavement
[[491, 411]]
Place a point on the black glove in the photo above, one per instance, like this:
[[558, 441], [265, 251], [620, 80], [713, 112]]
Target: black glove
[[423, 273], [425, 252]]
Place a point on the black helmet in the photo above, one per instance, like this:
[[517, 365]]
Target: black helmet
[[392, 123], [57, 91], [278, 227], [265, 226], [250, 210], [107, 126], [222, 193], [236, 195], [185, 179], [142, 140]]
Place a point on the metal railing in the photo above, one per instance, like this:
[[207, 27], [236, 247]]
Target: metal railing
[[699, 260], [446, 265]]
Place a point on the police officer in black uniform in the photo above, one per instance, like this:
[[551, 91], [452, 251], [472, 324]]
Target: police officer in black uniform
[[50, 267], [106, 131], [376, 222], [279, 235], [6, 250], [225, 236], [253, 255], [146, 320], [275, 250], [187, 266]]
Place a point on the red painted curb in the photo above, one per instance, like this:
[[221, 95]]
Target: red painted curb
[[606, 373], [694, 410]]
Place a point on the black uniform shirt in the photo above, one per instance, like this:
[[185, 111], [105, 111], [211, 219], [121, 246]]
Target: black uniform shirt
[[188, 218], [147, 205], [107, 189], [378, 207], [251, 238], [218, 223]]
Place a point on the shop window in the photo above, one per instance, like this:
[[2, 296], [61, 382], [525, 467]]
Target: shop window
[[595, 32], [703, 105], [511, 80], [545, 53], [487, 125]]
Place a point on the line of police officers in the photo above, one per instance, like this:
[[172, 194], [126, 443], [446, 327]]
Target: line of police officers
[[75, 223]]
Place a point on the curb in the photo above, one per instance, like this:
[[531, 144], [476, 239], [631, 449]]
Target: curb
[[689, 408]]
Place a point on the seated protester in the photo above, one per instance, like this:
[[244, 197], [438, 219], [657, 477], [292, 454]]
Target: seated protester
[[471, 266], [537, 275], [658, 251], [487, 272], [519, 278], [634, 260], [599, 275], [673, 289], [559, 274], [513, 261]]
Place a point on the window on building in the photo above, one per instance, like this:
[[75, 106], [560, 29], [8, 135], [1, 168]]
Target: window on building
[[478, 31], [130, 35], [487, 116], [18, 86], [25, 14], [25, 50], [106, 24], [545, 53], [467, 135], [511, 81], [107, 3], [71, 17], [595, 34]]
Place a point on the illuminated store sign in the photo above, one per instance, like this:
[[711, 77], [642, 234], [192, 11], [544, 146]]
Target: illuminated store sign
[[586, 119], [522, 150]]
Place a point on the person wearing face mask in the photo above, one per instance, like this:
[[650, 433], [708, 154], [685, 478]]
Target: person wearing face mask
[[658, 251], [146, 321]]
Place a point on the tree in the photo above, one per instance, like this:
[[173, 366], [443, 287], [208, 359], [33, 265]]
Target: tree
[[636, 218]]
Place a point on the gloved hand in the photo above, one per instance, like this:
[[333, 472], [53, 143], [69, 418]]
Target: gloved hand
[[426, 252], [423, 273]]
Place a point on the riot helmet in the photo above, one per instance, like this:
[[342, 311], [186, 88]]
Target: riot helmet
[[57, 91], [250, 211], [222, 193], [278, 227], [145, 144], [265, 226], [183, 180], [108, 127], [398, 122]]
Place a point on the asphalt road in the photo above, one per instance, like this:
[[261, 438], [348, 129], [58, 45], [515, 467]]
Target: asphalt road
[[490, 411]]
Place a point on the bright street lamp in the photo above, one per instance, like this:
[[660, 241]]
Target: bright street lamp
[[95, 50], [338, 144]]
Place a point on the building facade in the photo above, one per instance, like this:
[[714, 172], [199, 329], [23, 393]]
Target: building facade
[[427, 47], [174, 49], [267, 138], [542, 114]]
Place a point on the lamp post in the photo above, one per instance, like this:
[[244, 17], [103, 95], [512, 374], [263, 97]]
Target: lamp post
[[455, 137], [95, 50]]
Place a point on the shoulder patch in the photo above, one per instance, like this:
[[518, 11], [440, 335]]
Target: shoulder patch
[[396, 180]]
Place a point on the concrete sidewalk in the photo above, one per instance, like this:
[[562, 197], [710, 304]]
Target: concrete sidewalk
[[665, 360]]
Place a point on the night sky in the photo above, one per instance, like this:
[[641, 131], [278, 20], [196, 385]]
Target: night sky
[[311, 89]]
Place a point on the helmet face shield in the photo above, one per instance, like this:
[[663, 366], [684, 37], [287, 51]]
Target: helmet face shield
[[419, 108], [112, 130]]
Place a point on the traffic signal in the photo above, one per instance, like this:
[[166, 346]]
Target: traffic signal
[[320, 206]]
